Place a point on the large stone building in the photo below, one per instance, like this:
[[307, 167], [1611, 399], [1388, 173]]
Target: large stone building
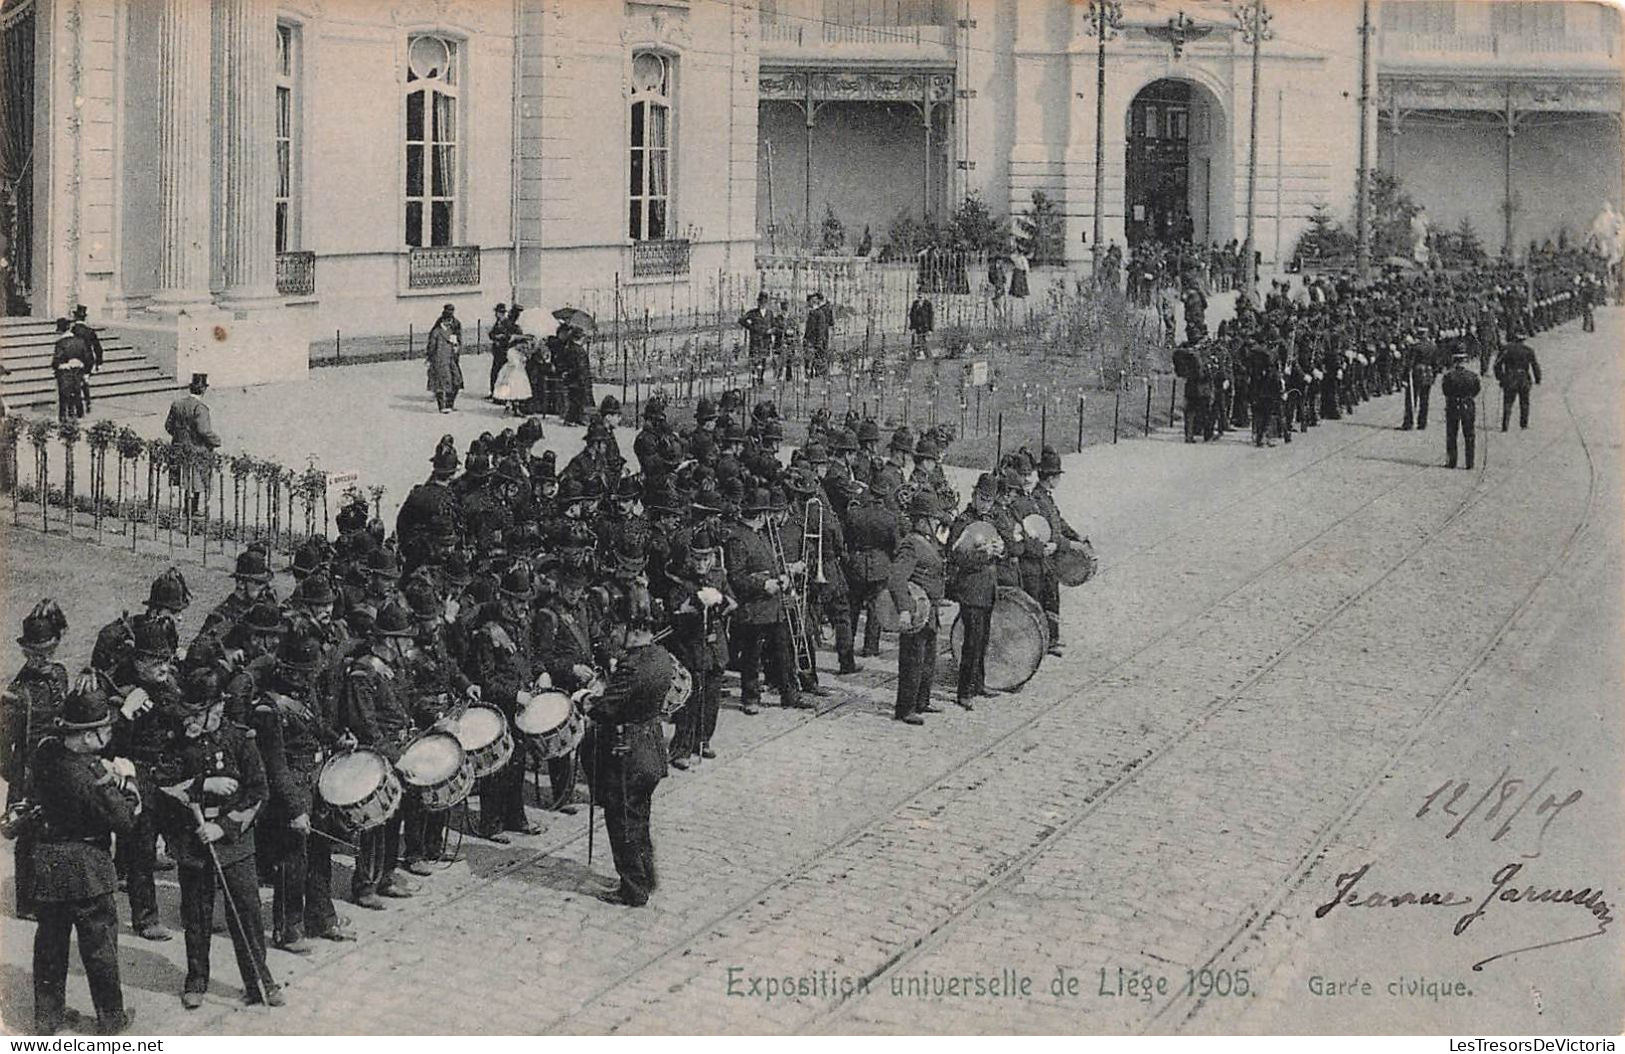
[[235, 178]]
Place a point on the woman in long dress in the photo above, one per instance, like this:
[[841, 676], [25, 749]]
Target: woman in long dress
[[513, 383]]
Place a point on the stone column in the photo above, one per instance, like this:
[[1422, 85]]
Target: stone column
[[183, 156], [250, 153]]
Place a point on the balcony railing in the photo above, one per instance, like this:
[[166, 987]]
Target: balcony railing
[[295, 274], [798, 33], [1490, 46], [443, 265], [667, 257]]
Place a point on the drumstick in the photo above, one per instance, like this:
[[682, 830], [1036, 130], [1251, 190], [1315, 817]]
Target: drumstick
[[262, 972]]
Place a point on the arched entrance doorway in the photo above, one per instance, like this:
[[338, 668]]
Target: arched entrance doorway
[[1178, 185]]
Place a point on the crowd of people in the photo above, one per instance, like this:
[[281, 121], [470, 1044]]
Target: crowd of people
[[628, 589], [1299, 359]]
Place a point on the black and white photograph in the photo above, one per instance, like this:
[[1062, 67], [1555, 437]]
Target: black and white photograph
[[812, 517]]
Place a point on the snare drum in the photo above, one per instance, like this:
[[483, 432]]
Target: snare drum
[[483, 732], [551, 721], [360, 788], [677, 696], [438, 769]]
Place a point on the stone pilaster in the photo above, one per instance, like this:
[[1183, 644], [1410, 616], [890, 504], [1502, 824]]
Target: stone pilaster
[[250, 153], [183, 156]]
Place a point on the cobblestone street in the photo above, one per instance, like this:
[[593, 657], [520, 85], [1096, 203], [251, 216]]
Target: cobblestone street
[[1287, 652]]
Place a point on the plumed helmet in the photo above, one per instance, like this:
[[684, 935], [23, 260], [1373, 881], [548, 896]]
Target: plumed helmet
[[902, 440], [1049, 462], [315, 591], [86, 708], [868, 431], [299, 651], [516, 583], [43, 627], [155, 638], [382, 563], [263, 618], [169, 591], [393, 621], [252, 567]]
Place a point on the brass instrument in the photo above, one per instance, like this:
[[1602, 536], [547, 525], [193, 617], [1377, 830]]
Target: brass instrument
[[812, 537], [795, 613]]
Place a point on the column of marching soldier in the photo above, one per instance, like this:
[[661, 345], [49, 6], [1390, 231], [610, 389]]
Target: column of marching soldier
[[504, 575], [1294, 362]]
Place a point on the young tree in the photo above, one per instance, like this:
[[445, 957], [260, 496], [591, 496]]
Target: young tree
[[831, 233], [1041, 230], [974, 228]]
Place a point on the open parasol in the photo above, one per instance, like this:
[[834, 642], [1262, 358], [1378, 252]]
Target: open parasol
[[574, 316]]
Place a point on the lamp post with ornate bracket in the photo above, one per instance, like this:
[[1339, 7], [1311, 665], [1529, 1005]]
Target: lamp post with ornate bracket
[[1105, 17], [1253, 21]]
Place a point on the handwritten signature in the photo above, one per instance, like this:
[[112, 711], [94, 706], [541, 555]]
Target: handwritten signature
[[1503, 890]]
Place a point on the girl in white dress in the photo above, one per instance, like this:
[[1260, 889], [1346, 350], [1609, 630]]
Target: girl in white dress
[[513, 384]]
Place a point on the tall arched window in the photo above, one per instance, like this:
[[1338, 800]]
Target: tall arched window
[[431, 140], [649, 210]]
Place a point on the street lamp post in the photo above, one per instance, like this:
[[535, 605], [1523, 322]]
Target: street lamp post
[[1105, 17], [1254, 21]]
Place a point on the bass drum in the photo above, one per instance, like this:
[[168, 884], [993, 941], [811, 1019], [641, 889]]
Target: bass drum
[[551, 721], [436, 766], [360, 788], [1018, 637]]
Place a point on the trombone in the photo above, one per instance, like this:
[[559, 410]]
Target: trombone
[[795, 612]]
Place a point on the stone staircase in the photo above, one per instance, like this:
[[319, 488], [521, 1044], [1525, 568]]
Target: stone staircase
[[26, 345]]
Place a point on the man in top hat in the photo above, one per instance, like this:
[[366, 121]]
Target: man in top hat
[[922, 320], [1515, 368], [816, 334], [373, 714], [84, 799], [570, 358], [292, 730], [70, 361], [919, 561], [504, 330], [758, 326], [609, 411], [213, 788], [973, 581], [28, 708], [1460, 387], [251, 584], [82, 329], [191, 429], [758, 625], [625, 756]]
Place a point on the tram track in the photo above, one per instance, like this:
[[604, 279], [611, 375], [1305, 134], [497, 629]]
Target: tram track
[[1151, 764]]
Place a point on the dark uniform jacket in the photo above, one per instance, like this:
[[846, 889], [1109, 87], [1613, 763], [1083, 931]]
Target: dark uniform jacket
[[501, 657], [625, 747], [81, 807], [973, 574], [294, 738], [429, 503], [371, 706], [833, 548], [1516, 365], [699, 637], [750, 564], [871, 540], [919, 560], [229, 751], [565, 638], [30, 704], [1459, 386]]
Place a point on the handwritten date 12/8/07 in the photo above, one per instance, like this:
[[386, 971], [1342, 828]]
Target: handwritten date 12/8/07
[[1505, 799]]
